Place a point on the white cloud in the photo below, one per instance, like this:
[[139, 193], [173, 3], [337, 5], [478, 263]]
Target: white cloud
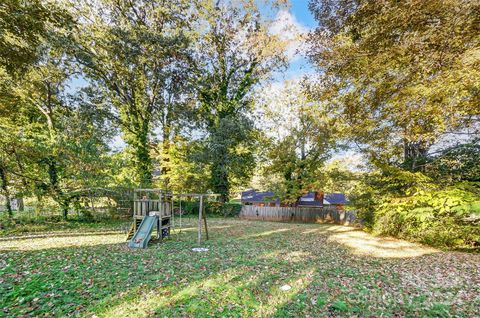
[[288, 28], [351, 160], [277, 108], [287, 25]]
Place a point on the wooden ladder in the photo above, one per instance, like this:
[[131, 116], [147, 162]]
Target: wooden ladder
[[133, 229]]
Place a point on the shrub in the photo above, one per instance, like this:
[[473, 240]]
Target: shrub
[[412, 206], [376, 186], [190, 207], [445, 217], [231, 209], [455, 164], [224, 209], [213, 208]]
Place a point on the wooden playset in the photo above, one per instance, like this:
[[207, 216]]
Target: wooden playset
[[154, 209]]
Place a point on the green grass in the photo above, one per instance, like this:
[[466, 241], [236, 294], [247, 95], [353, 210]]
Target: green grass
[[43, 225], [333, 271]]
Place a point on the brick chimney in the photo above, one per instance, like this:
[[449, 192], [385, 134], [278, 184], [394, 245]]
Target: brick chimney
[[319, 195]]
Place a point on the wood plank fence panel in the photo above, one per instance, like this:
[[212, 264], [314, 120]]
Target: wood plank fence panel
[[297, 214]]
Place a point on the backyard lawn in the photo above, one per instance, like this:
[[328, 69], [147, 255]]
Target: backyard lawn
[[252, 269]]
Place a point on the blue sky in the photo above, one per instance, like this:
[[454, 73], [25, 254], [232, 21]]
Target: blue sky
[[298, 67], [300, 10], [300, 17]]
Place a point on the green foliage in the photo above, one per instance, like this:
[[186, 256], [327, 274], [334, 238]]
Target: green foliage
[[28, 223], [410, 206], [341, 176], [455, 164], [448, 217], [50, 140], [226, 209], [190, 207], [399, 74], [229, 68], [301, 137], [24, 25], [139, 55], [184, 172], [339, 306], [62, 144], [212, 208]]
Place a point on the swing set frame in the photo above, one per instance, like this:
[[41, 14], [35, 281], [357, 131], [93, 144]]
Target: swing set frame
[[162, 203]]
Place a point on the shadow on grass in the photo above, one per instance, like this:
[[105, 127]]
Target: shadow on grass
[[63, 241], [240, 276], [58, 234], [249, 286]]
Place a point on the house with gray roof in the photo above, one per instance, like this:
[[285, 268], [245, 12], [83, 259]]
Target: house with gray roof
[[311, 199]]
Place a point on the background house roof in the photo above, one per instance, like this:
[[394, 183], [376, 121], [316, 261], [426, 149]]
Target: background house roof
[[307, 199], [335, 198], [310, 196], [329, 198], [258, 197]]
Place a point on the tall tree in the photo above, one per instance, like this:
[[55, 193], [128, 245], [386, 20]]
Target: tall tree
[[302, 136], [236, 51], [138, 53], [61, 143], [52, 143], [25, 26], [187, 173], [398, 73]]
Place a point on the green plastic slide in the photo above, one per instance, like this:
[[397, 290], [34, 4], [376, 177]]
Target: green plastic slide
[[144, 232]]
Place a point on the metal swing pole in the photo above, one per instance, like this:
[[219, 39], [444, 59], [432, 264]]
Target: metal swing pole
[[172, 211], [199, 240], [180, 207]]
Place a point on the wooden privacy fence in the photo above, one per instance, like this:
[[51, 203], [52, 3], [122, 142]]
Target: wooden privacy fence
[[297, 214]]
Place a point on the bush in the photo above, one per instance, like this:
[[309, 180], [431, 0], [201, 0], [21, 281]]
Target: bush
[[84, 214], [213, 208], [223, 209], [447, 217], [412, 206], [25, 223], [231, 209], [376, 186], [456, 164], [190, 207]]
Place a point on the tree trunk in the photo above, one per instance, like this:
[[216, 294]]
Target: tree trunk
[[414, 153], [4, 187], [288, 176], [165, 171], [21, 205], [220, 182], [58, 194], [140, 144]]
